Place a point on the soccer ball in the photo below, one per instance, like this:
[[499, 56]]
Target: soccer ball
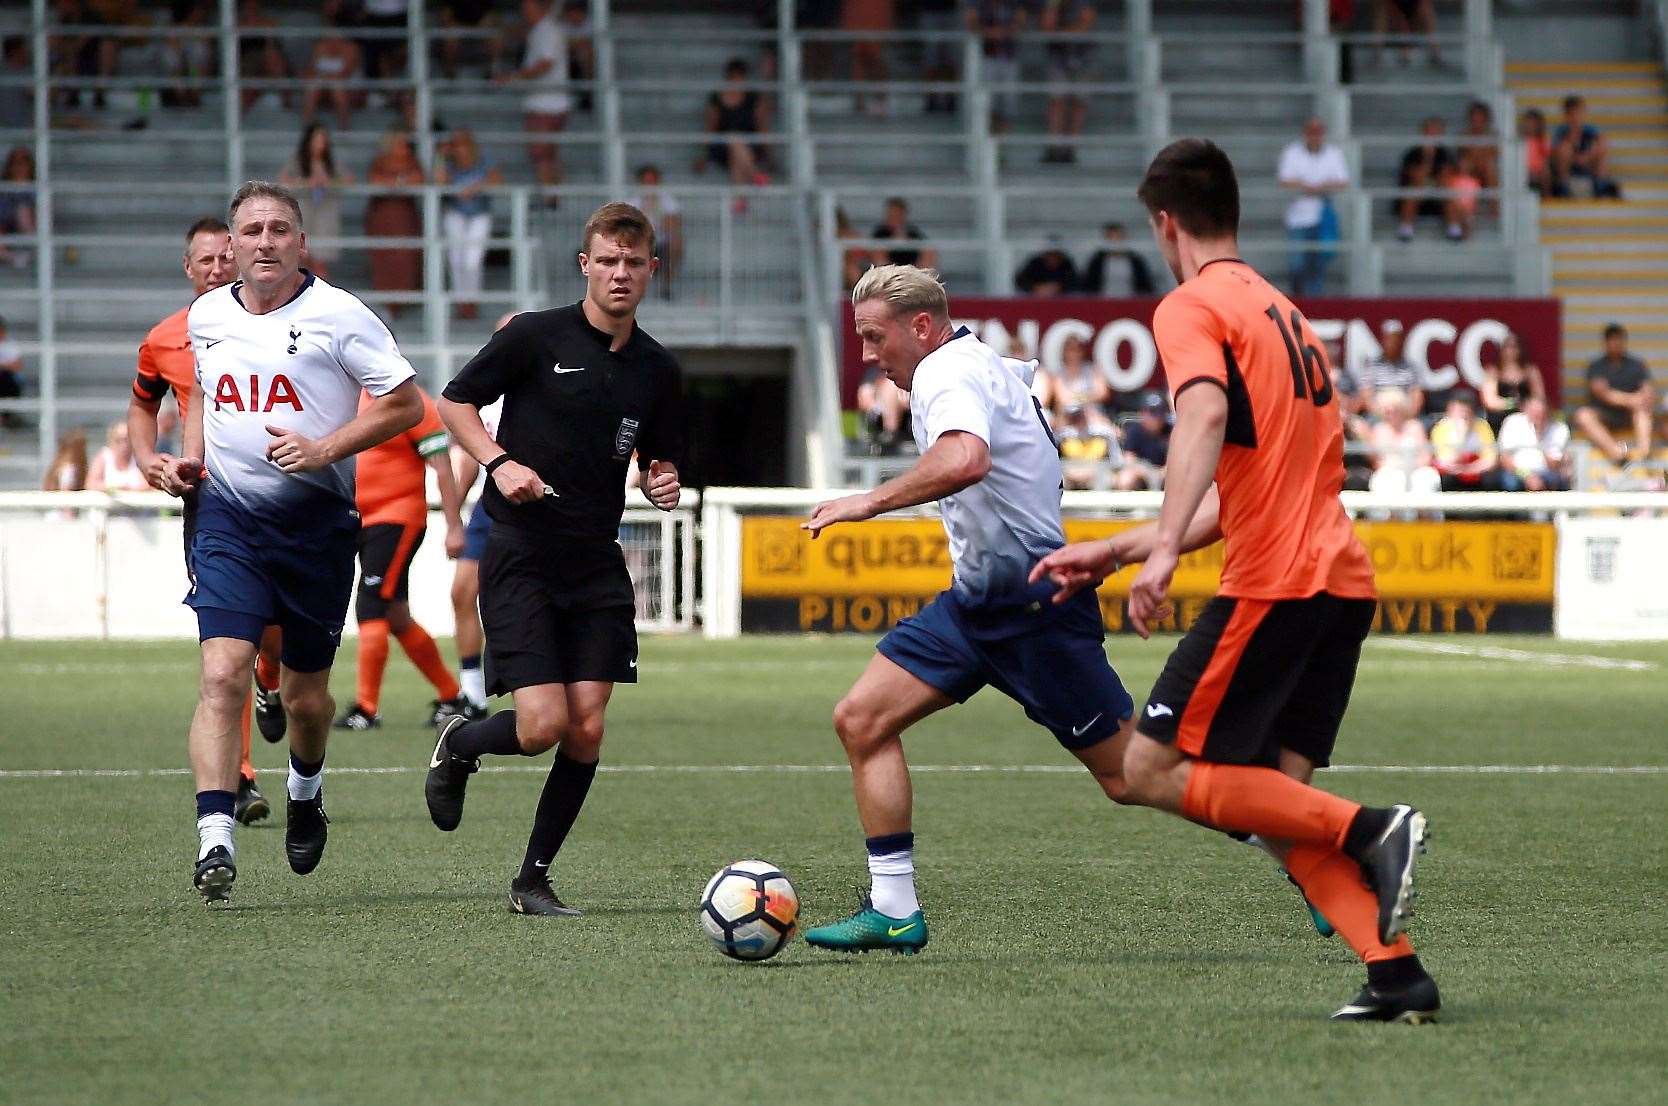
[[749, 910]]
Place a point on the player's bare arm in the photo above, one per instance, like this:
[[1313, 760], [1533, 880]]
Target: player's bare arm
[[957, 460], [663, 487], [387, 415], [1195, 445], [519, 483], [141, 433], [185, 472], [451, 502], [1085, 564]]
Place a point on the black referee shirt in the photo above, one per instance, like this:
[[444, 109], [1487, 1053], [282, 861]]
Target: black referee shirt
[[573, 413]]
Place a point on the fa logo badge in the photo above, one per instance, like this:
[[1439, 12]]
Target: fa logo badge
[[295, 336], [625, 438]]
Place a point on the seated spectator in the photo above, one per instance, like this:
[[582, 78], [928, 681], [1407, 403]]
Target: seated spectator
[[188, 55], [1424, 166], [666, 217], [1146, 446], [1390, 369], [335, 62], [384, 56], [1580, 150], [897, 226], [11, 375], [1534, 450], [1078, 382], [17, 101], [1466, 455], [67, 472], [260, 57], [582, 54], [734, 112], [395, 215], [1509, 383], [1537, 150], [998, 25], [1068, 63], [1482, 157], [114, 468], [17, 203], [468, 15], [884, 408], [1404, 19], [1049, 273], [868, 56], [1400, 452], [854, 260], [311, 173], [1619, 396], [1115, 269], [1088, 452], [1462, 188], [1315, 169], [466, 215], [546, 104]]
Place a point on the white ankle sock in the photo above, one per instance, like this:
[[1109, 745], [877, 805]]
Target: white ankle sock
[[892, 883], [473, 682], [212, 830], [305, 787]]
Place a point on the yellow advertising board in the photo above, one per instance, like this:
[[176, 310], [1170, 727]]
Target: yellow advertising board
[[1511, 562]]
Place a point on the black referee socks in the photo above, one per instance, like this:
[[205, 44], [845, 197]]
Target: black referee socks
[[495, 735], [564, 793]]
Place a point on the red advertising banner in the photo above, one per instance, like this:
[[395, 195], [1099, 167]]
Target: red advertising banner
[[1448, 340]]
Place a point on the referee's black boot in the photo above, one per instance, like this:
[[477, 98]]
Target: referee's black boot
[[305, 831], [447, 779]]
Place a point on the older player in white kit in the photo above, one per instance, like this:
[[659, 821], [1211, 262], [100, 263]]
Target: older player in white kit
[[988, 457], [270, 440]]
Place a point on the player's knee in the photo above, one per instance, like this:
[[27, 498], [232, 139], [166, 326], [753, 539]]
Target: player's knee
[[225, 682], [857, 724], [537, 732], [310, 703], [582, 740]]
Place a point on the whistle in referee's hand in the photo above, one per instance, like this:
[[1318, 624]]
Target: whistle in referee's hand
[[550, 491]]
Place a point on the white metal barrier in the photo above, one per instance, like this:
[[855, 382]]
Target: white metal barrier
[[92, 565]]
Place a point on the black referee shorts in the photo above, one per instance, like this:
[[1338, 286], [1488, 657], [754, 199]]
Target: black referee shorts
[[556, 612], [1254, 676]]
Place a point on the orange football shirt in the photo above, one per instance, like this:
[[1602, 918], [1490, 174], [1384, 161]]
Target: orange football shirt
[[390, 481], [166, 361], [1282, 462]]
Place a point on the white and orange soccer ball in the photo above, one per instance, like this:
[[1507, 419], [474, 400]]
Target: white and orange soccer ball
[[749, 910]]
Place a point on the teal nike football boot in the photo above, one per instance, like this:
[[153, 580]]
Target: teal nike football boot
[[1322, 926], [870, 929]]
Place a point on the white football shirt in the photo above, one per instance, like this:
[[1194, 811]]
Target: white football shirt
[[298, 368], [1003, 525], [546, 42]]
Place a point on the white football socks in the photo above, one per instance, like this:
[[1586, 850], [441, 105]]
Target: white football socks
[[473, 682], [892, 883], [212, 830], [304, 787]]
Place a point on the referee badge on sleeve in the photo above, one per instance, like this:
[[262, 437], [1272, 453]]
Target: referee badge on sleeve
[[625, 438]]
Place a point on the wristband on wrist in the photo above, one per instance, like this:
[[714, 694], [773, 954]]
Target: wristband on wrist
[[493, 465], [1117, 565]]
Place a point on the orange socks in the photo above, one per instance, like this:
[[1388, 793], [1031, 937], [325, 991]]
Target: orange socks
[[1332, 882], [1266, 802], [425, 654], [246, 769], [266, 671], [373, 659]]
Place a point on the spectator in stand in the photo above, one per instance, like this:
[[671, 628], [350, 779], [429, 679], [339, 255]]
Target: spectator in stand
[[336, 61], [734, 113], [1078, 382], [1115, 269], [1619, 396], [546, 105], [17, 101], [1462, 188], [11, 376], [1481, 154], [259, 57], [898, 227], [1068, 63], [854, 260], [582, 55], [395, 215], [1580, 150], [666, 217], [189, 54], [17, 203], [1314, 168], [1146, 445], [468, 15], [1466, 455], [868, 57], [1088, 450], [1537, 150], [1510, 383], [1400, 451], [1049, 273], [884, 408], [311, 173], [1423, 167], [466, 215], [1534, 450], [1390, 369], [114, 467], [67, 472], [384, 55], [998, 23], [1405, 19]]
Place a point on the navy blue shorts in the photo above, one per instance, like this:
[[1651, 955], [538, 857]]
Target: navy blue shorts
[[245, 576], [1054, 664], [475, 534]]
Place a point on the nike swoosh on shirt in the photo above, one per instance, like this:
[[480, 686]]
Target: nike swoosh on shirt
[[210, 343], [573, 369]]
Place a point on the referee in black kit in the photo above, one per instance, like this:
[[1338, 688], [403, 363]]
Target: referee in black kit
[[583, 387]]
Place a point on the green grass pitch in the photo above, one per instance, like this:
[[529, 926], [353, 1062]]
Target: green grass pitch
[[1080, 952]]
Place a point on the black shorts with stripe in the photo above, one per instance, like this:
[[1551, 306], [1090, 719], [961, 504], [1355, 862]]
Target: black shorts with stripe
[[1254, 676], [385, 553]]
